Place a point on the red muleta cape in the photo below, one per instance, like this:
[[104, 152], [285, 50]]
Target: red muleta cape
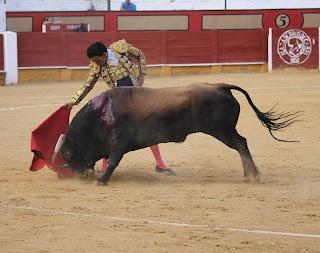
[[44, 139]]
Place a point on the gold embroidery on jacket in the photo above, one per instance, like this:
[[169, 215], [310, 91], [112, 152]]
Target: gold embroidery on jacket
[[111, 74], [120, 46]]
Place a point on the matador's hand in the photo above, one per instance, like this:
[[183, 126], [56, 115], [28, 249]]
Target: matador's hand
[[69, 105], [140, 80]]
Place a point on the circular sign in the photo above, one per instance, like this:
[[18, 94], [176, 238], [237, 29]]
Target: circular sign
[[282, 20], [294, 47]]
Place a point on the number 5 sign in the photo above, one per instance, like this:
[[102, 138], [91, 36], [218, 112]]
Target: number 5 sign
[[282, 20]]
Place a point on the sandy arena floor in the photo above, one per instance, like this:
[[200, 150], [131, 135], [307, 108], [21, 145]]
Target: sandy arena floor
[[143, 211]]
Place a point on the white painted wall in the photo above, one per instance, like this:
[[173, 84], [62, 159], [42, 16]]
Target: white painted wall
[[272, 4], [48, 5], [173, 4], [10, 49], [270, 50], [2, 17], [83, 5]]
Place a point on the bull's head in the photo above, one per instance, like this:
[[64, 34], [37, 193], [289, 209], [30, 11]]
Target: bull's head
[[75, 157], [88, 136], [83, 145]]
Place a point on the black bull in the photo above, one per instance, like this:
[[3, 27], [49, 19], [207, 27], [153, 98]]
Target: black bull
[[126, 119]]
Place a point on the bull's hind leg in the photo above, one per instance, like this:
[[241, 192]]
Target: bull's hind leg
[[249, 166], [235, 141]]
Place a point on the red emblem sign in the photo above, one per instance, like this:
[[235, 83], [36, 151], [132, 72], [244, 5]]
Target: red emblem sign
[[294, 47]]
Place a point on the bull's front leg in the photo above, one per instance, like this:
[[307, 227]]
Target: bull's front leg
[[114, 160]]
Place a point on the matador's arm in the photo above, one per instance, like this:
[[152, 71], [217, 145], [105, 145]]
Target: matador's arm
[[89, 83], [136, 52]]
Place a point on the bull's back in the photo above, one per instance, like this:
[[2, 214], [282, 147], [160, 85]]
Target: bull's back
[[147, 101], [144, 102]]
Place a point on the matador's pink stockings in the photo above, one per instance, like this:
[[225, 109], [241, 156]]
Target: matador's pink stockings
[[155, 151]]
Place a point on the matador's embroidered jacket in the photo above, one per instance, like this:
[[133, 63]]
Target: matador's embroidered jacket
[[115, 70]]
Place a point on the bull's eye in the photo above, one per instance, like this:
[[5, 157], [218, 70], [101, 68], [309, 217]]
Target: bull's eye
[[67, 154]]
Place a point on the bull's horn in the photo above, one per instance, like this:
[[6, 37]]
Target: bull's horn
[[58, 147], [63, 166]]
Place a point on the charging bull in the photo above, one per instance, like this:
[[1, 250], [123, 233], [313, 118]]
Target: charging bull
[[124, 119]]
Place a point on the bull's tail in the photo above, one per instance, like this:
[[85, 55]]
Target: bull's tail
[[272, 120]]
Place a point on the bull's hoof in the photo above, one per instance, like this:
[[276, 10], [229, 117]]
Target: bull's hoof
[[89, 174], [246, 179], [98, 174], [166, 171], [101, 183], [257, 177]]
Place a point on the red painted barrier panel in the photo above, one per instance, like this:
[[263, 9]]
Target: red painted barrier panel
[[69, 49], [77, 44], [1, 53], [242, 45], [149, 42], [153, 44], [41, 49], [189, 47], [295, 48]]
